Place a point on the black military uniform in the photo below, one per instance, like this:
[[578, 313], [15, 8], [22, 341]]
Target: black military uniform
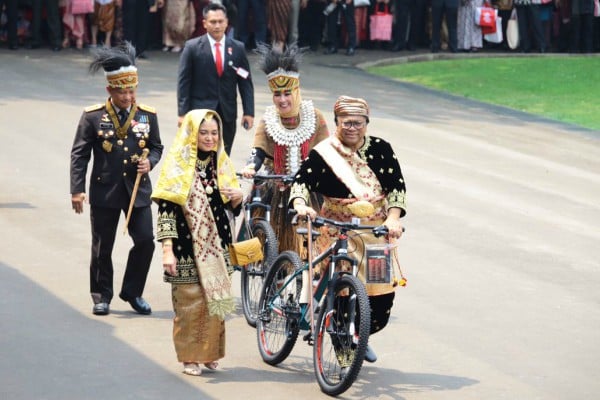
[[117, 144]]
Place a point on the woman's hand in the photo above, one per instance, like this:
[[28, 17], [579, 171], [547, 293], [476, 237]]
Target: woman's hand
[[248, 171], [169, 261], [235, 195]]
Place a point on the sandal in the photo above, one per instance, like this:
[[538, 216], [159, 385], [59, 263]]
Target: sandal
[[213, 365], [192, 369]]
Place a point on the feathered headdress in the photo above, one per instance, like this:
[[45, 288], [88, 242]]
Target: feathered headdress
[[281, 66], [118, 64]]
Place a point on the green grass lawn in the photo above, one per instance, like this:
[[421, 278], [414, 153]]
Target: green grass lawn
[[562, 88]]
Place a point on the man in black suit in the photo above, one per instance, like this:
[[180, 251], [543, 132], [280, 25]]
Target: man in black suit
[[117, 132], [211, 68]]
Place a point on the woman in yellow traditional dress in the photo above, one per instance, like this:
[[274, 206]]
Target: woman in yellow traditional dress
[[196, 187]]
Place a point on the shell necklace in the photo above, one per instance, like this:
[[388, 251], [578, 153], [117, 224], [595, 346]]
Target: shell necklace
[[210, 184], [292, 138]]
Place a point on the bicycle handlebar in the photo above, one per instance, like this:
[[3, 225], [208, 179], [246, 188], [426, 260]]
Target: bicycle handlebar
[[378, 230], [287, 179]]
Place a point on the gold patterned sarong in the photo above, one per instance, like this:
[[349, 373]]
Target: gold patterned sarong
[[197, 335]]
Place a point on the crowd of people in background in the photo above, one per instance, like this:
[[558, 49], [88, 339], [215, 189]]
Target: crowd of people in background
[[321, 25]]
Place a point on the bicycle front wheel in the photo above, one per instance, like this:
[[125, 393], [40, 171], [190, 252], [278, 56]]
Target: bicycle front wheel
[[342, 335], [279, 309], [253, 275]]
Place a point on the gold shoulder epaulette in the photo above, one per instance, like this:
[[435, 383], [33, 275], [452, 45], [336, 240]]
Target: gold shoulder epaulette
[[94, 107], [147, 108]]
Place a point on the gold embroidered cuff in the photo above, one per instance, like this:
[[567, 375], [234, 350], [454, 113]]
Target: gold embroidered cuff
[[299, 190], [397, 199], [166, 226]]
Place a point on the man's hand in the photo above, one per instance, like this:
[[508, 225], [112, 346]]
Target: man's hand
[[394, 226], [305, 211], [247, 122], [77, 200], [143, 166]]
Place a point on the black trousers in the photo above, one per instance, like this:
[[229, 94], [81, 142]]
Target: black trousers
[[529, 17], [12, 15], [582, 33], [310, 24], [229, 129], [332, 26], [136, 19], [440, 9], [104, 223], [52, 19], [381, 309], [405, 12]]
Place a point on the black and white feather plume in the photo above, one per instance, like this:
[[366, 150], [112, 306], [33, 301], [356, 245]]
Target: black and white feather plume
[[272, 58], [113, 58]]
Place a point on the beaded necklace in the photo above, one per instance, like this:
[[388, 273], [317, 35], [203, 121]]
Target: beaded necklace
[[292, 139], [210, 184]]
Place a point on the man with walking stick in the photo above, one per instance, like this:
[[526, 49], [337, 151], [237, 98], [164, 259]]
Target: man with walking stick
[[119, 133]]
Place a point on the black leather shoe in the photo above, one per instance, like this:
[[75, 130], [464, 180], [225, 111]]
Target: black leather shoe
[[140, 305], [370, 355], [101, 309], [13, 46], [330, 50], [398, 47], [32, 46], [351, 51]]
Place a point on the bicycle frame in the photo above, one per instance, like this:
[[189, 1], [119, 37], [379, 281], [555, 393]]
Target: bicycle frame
[[337, 251], [257, 203]]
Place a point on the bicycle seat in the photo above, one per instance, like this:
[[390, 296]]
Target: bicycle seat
[[304, 232]]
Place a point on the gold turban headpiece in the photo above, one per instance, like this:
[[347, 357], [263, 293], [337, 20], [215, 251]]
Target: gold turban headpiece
[[346, 105], [124, 77], [281, 79]]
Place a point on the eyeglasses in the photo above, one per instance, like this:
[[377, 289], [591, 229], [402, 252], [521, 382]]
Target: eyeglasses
[[355, 124]]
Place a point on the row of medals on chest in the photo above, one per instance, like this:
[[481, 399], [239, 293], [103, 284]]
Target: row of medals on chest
[[107, 144]]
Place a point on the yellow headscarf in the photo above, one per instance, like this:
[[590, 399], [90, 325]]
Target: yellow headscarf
[[177, 174]]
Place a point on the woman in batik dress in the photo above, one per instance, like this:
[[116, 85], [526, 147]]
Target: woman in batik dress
[[196, 186]]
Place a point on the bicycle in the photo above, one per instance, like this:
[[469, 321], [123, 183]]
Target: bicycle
[[252, 275], [340, 333]]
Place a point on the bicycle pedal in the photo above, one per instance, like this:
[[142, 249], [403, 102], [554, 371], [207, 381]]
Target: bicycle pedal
[[308, 338]]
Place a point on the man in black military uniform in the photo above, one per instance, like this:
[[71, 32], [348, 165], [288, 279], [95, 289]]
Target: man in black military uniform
[[124, 138]]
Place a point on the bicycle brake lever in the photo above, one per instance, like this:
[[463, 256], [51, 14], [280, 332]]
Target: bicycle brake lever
[[380, 230]]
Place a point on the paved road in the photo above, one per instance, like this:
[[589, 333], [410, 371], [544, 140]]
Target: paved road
[[501, 251]]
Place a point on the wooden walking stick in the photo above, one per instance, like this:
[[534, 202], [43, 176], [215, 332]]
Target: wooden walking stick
[[138, 178]]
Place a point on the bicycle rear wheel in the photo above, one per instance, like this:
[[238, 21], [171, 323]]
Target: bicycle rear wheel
[[253, 275], [342, 335], [277, 324]]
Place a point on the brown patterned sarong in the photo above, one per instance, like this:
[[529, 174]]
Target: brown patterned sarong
[[278, 15], [198, 336], [104, 17]]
